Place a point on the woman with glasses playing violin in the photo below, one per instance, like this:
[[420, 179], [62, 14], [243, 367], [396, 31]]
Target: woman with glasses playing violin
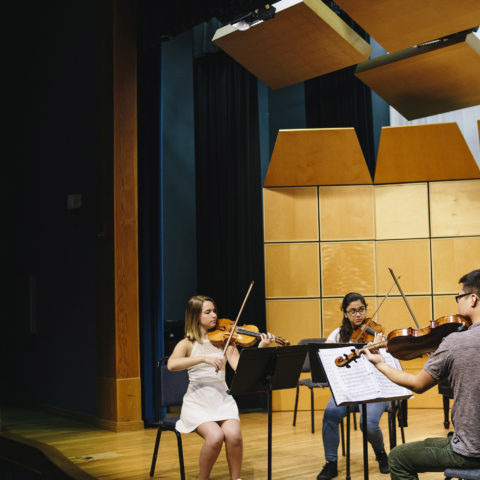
[[354, 308]]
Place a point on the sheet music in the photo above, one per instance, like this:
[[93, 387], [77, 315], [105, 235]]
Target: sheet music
[[362, 382]]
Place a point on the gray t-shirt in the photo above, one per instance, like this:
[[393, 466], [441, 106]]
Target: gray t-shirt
[[458, 359]]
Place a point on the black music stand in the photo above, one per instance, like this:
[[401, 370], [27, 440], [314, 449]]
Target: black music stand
[[267, 369], [318, 375]]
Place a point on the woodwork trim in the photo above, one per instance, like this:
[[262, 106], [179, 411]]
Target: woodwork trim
[[118, 380]]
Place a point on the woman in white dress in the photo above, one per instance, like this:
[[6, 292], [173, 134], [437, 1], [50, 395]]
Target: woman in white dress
[[207, 407]]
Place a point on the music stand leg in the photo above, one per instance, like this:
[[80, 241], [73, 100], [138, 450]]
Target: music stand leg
[[347, 461], [365, 444], [269, 400]]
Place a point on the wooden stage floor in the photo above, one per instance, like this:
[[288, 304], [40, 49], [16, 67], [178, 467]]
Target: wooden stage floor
[[297, 453]]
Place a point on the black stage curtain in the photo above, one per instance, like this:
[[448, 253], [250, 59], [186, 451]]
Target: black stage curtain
[[339, 99], [228, 187]]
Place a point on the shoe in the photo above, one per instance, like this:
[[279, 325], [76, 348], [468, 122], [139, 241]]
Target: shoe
[[328, 471], [382, 460]]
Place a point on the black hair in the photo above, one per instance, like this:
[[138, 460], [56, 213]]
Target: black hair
[[471, 282], [346, 329]]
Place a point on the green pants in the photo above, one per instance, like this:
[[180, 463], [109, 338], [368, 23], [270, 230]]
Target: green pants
[[429, 455]]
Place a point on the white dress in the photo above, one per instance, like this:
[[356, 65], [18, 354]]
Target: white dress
[[206, 399]]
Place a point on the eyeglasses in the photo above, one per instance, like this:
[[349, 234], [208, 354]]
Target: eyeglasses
[[458, 297], [361, 311]]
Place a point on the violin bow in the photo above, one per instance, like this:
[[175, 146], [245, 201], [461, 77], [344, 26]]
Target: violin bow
[[378, 308], [404, 298], [238, 317]]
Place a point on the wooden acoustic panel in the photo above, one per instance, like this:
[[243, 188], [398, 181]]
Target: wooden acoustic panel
[[346, 213], [290, 214], [451, 259], [348, 267], [419, 153], [398, 24], [428, 80], [394, 314], [294, 319], [431, 152], [292, 270], [454, 208], [409, 259], [444, 305], [317, 156], [401, 211], [303, 41]]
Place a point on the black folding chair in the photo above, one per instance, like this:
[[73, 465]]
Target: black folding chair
[[172, 387]]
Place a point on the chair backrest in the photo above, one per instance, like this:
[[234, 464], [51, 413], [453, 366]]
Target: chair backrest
[[172, 385], [305, 341]]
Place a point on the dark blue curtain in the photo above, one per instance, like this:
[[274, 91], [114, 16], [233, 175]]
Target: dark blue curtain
[[229, 194]]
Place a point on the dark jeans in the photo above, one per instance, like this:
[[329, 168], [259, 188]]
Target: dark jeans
[[429, 455]]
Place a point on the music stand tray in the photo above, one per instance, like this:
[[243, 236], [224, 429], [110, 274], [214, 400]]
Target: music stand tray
[[267, 369]]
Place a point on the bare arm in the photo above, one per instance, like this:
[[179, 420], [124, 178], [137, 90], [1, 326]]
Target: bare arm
[[233, 356], [180, 358], [418, 383]]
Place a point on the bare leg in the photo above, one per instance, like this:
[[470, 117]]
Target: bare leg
[[233, 447], [213, 436]]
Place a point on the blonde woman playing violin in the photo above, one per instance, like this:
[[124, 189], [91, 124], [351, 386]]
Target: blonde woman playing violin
[[207, 408]]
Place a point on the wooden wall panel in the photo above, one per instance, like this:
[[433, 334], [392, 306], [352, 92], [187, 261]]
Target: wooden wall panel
[[346, 213], [401, 211], [409, 259], [454, 208], [394, 314], [444, 305], [294, 319], [427, 232], [292, 270], [452, 258], [420, 153], [317, 156], [290, 214], [348, 267]]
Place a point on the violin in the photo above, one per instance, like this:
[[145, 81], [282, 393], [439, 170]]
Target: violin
[[409, 343], [366, 331], [244, 336]]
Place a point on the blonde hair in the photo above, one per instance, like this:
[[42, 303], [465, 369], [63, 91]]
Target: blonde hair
[[193, 312]]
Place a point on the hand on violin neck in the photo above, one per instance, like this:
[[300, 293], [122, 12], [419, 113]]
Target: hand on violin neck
[[266, 339], [376, 358]]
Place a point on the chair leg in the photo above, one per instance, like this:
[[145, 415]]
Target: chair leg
[[312, 410], [342, 436], [296, 405], [155, 451], [446, 408], [180, 455], [354, 420]]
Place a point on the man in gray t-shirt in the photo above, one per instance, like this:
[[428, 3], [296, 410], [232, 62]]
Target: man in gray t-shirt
[[457, 359]]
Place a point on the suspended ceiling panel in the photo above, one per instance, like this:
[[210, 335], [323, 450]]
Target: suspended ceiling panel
[[326, 156], [399, 24], [302, 41], [420, 153], [427, 80]]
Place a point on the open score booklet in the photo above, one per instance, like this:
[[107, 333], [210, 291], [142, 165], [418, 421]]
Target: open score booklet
[[362, 382]]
